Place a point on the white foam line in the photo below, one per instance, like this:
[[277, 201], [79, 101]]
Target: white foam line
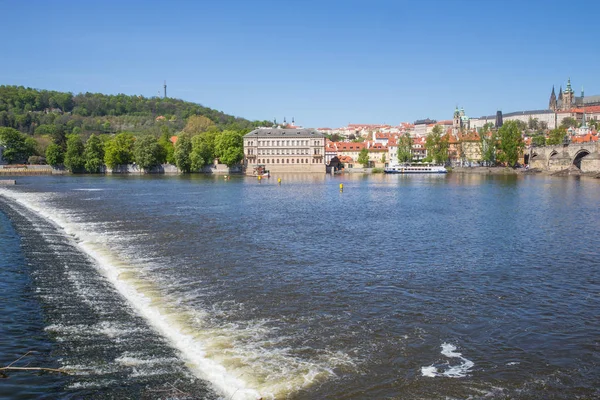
[[192, 351]]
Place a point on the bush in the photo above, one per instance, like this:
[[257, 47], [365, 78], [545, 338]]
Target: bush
[[377, 171]]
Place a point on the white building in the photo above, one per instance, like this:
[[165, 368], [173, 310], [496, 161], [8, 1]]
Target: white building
[[284, 150]]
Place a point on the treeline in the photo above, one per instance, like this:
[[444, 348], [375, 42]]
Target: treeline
[[194, 148], [34, 111]]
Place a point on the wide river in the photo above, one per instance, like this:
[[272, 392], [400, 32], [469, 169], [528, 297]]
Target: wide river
[[397, 287]]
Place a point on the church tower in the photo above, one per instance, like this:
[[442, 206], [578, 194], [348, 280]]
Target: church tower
[[456, 122], [568, 97], [552, 104]]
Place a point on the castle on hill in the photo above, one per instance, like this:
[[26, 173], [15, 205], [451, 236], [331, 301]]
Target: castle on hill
[[567, 100]]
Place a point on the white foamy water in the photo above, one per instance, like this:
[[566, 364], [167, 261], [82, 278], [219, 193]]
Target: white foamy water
[[451, 371], [239, 361]]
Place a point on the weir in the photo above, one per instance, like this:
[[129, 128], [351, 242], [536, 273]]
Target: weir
[[108, 347]]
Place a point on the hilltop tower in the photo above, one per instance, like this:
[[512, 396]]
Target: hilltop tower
[[165, 87], [552, 105]]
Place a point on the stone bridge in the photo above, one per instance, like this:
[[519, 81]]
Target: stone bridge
[[584, 156]]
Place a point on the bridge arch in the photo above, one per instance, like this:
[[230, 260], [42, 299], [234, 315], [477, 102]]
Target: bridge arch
[[552, 156], [579, 156]]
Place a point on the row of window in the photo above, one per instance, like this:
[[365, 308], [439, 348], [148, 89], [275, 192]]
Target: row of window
[[286, 161], [282, 151], [271, 143]]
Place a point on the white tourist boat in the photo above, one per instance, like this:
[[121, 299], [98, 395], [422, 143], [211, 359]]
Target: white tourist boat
[[415, 169]]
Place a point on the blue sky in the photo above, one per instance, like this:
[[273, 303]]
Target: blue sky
[[325, 63]]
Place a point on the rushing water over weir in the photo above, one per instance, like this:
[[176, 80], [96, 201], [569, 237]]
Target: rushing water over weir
[[397, 287]]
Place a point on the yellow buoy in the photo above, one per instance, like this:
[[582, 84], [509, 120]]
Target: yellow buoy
[[279, 180], [341, 187]]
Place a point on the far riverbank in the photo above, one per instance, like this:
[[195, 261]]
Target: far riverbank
[[521, 171]]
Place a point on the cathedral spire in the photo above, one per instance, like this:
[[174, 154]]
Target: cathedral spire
[[568, 89], [552, 104]]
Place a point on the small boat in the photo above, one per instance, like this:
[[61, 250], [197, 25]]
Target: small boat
[[261, 171], [415, 169]]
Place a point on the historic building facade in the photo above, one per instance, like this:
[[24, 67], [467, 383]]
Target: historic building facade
[[567, 100], [284, 150]]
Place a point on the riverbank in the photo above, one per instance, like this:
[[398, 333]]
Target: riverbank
[[522, 171]]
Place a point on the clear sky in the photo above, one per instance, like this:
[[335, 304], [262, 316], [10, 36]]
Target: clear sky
[[325, 63]]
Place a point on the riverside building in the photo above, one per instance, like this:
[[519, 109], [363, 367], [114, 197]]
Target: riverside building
[[284, 150]]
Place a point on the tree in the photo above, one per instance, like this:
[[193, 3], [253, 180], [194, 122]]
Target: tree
[[54, 154], [489, 144], [197, 124], [511, 142], [93, 154], [437, 145], [203, 149], [533, 124], [363, 157], [74, 159], [17, 146], [404, 152], [383, 158], [569, 122], [543, 125], [538, 140], [183, 148], [556, 136], [119, 150], [167, 149], [521, 125], [229, 147], [146, 151]]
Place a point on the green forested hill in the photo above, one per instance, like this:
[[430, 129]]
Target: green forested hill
[[34, 111]]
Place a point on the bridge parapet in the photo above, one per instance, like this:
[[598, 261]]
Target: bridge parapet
[[585, 156]]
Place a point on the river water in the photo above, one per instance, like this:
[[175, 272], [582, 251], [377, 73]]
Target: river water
[[397, 287]]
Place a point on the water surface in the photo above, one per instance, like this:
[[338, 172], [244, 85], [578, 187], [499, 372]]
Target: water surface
[[457, 286]]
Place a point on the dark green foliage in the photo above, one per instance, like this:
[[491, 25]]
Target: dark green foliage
[[437, 145], [183, 148], [147, 152], [25, 109], [74, 160], [556, 136], [511, 142], [55, 155], [94, 154], [119, 150], [229, 147], [18, 147], [166, 149], [538, 140]]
